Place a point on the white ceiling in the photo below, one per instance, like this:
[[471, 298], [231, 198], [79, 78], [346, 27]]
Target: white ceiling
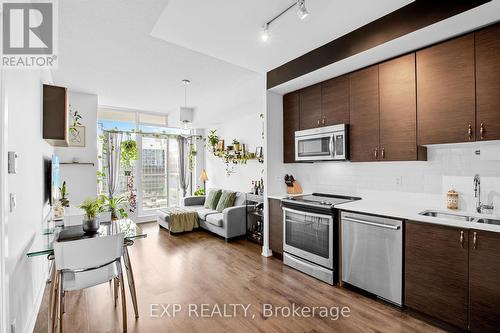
[[230, 29], [106, 48]]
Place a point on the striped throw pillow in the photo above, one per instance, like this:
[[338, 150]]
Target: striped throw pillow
[[212, 199], [226, 200]]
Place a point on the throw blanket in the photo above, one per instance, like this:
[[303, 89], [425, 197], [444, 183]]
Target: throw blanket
[[181, 219]]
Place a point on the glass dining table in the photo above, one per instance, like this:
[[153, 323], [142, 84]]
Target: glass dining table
[[43, 243]]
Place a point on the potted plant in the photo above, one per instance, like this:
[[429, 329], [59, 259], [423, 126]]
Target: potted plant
[[117, 206], [63, 191], [236, 144], [199, 191], [213, 139], [92, 208], [128, 154]]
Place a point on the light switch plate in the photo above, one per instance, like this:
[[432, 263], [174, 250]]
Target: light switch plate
[[12, 164], [13, 202]]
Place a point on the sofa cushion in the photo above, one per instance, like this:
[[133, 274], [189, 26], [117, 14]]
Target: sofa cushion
[[226, 200], [212, 199], [194, 208], [203, 213], [215, 219]]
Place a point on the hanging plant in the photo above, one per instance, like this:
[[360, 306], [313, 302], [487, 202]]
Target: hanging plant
[[128, 153], [192, 156]]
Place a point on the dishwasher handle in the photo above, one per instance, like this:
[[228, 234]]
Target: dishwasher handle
[[374, 224]]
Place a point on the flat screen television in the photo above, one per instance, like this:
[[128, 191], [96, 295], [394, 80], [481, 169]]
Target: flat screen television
[[51, 179]]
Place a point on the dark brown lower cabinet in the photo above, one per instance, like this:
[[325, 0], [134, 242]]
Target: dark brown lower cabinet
[[275, 227], [436, 272], [484, 281]]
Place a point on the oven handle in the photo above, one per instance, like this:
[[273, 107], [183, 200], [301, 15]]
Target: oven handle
[[380, 225], [332, 152], [306, 213]]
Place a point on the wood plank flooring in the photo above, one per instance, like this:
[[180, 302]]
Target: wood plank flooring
[[201, 268]]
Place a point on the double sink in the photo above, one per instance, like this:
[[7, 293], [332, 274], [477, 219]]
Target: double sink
[[460, 217]]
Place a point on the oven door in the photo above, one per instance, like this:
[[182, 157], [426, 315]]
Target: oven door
[[317, 147], [308, 236]]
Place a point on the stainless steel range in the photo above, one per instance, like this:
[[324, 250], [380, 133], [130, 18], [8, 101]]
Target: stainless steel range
[[310, 234]]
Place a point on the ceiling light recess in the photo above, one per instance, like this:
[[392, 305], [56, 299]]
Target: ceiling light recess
[[302, 13]]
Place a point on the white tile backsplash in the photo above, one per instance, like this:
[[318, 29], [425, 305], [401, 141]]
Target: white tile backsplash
[[447, 165]]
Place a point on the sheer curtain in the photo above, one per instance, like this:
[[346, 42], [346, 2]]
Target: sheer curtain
[[111, 160], [183, 176]]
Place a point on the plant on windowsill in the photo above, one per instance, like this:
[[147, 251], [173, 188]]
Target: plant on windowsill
[[91, 220], [117, 206], [128, 154]]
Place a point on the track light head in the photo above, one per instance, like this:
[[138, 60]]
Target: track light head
[[302, 10], [265, 33]]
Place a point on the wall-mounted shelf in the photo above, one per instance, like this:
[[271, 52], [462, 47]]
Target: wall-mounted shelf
[[77, 163]]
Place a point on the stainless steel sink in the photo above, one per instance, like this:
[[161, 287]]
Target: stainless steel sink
[[444, 215], [460, 217]]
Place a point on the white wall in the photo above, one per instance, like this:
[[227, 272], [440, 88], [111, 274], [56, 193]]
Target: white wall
[[447, 165], [26, 275], [247, 130], [81, 180]]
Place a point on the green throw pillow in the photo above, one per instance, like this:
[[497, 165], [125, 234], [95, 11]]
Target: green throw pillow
[[212, 199], [226, 200]]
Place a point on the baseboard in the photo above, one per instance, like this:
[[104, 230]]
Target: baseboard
[[266, 252], [38, 302]]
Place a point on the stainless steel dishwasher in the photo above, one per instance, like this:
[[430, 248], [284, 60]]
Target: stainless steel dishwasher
[[372, 255]]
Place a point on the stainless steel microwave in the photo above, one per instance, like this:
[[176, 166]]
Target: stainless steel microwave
[[328, 143]]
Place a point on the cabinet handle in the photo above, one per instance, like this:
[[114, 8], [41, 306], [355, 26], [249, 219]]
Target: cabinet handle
[[383, 153], [376, 153], [481, 131], [323, 122], [319, 123], [474, 240], [462, 239], [470, 132]]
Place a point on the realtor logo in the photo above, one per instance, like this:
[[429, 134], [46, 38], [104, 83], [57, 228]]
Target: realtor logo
[[28, 30]]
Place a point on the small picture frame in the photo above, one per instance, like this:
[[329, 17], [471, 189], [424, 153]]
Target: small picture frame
[[77, 136], [259, 152], [220, 145]]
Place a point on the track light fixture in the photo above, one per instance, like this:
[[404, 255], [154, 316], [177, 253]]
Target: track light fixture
[[302, 13]]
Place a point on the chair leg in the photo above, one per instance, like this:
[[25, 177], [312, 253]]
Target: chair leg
[[115, 288], [61, 307], [124, 305], [55, 300]]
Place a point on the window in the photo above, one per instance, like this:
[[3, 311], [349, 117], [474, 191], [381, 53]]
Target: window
[[156, 173]]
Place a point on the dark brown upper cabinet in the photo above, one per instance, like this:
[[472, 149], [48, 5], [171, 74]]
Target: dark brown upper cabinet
[[398, 111], [335, 101], [484, 281], [55, 115], [488, 83], [364, 115], [436, 272], [446, 92], [290, 125], [310, 107]]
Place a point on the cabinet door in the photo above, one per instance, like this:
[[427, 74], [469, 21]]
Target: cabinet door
[[364, 115], [310, 107], [290, 125], [488, 83], [335, 101], [398, 110], [484, 281], [436, 271], [446, 92], [275, 226], [55, 115]]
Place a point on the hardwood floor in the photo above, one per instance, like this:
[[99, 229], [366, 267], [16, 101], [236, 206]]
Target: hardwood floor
[[200, 268]]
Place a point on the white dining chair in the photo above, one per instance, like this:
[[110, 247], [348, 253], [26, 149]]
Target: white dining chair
[[86, 263]]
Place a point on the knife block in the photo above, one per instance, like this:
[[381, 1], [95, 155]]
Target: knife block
[[294, 189]]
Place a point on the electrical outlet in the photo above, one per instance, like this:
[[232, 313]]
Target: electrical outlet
[[399, 180], [13, 202]]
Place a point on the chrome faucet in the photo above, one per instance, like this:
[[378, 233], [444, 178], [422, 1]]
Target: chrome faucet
[[480, 207]]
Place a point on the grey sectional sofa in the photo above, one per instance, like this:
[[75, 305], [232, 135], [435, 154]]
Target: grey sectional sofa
[[228, 224]]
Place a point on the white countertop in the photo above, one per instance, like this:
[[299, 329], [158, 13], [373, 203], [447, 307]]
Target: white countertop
[[410, 211], [283, 196]]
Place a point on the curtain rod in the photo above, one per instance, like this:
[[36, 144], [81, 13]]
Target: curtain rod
[[153, 134]]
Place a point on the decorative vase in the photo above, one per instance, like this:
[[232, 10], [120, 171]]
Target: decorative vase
[[91, 226], [237, 146]]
